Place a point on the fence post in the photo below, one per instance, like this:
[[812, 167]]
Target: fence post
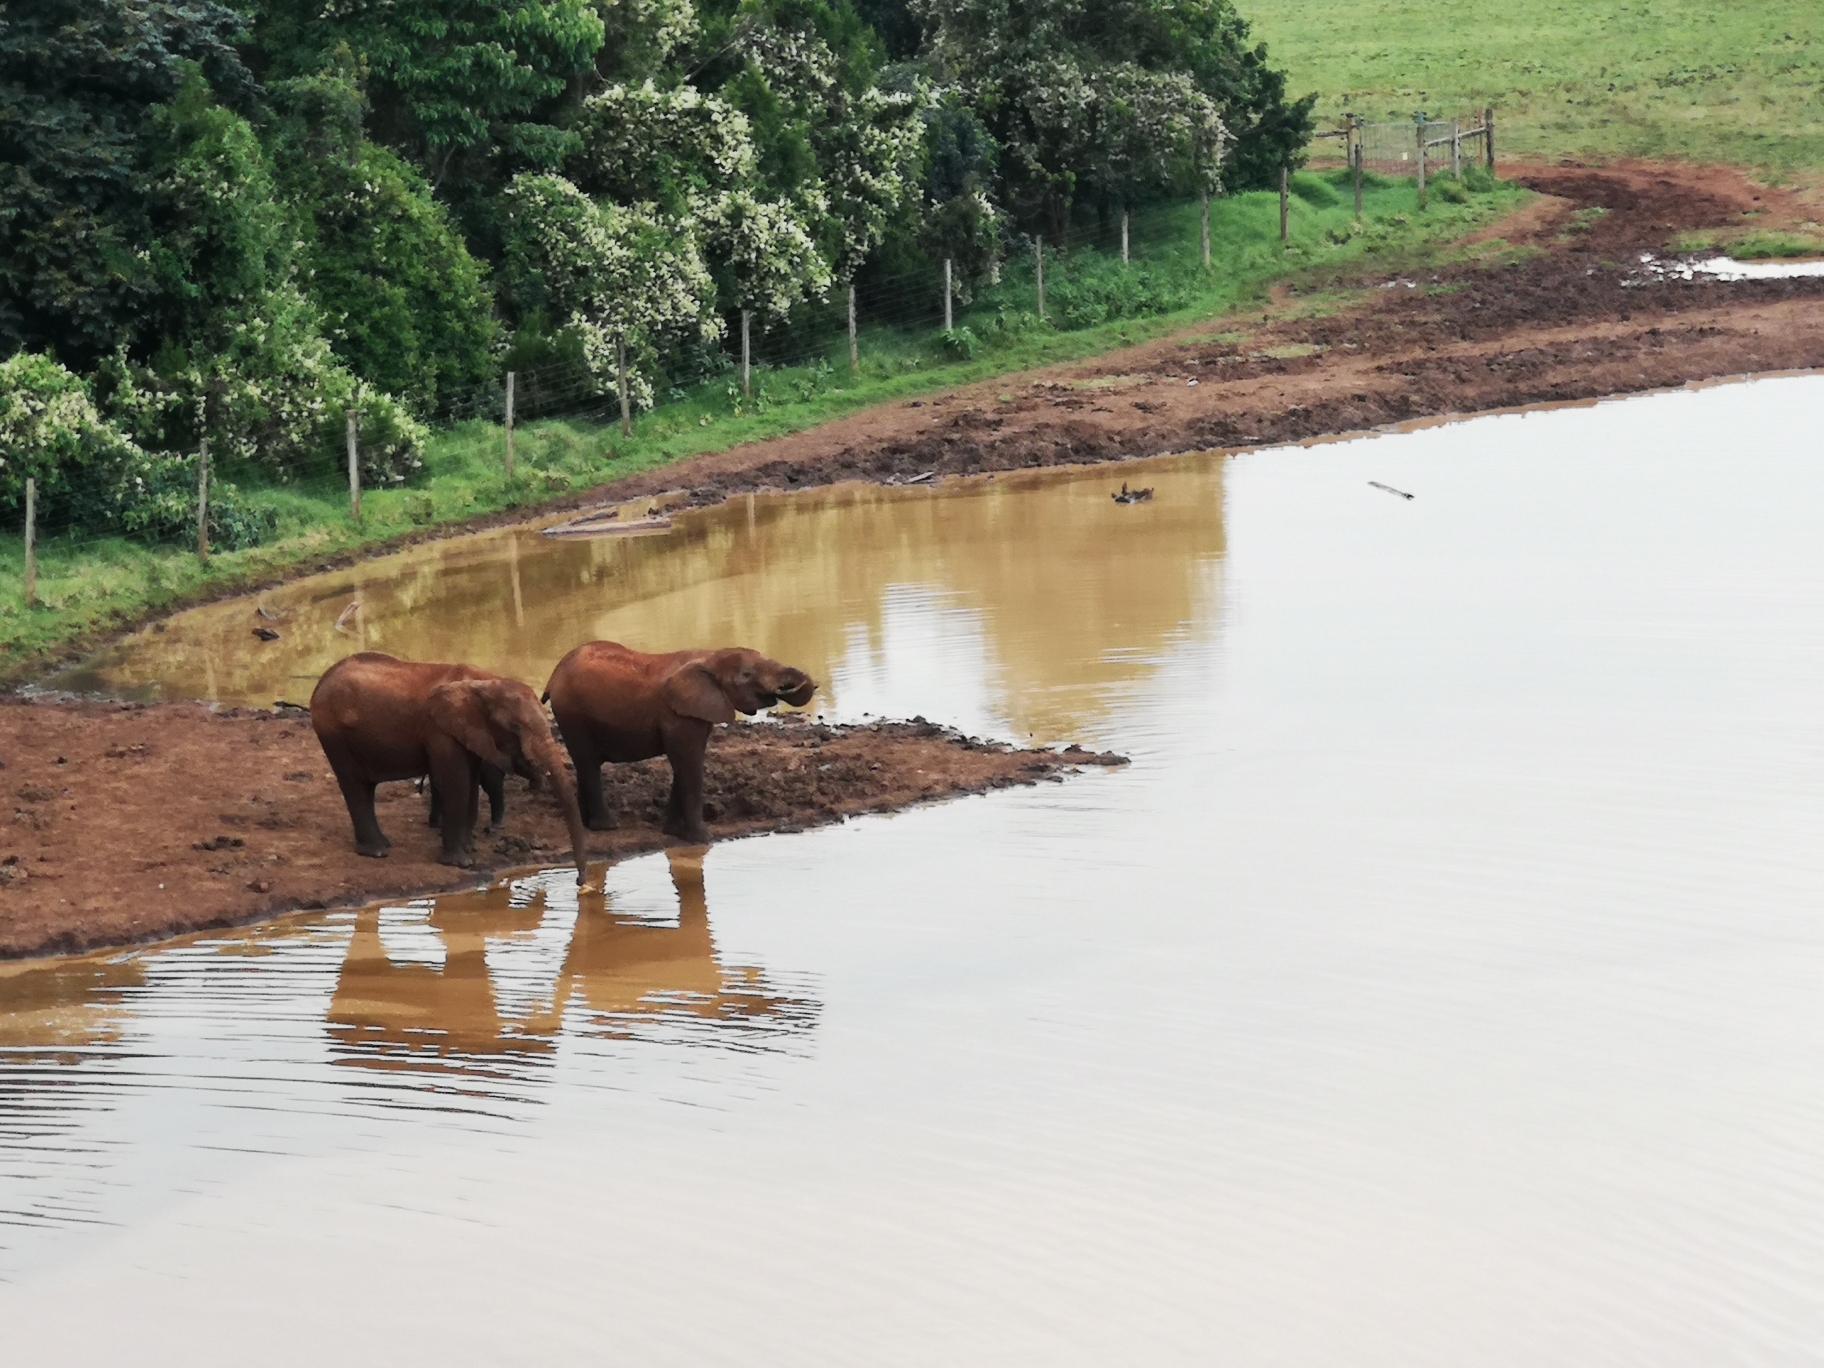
[[1418, 124], [1204, 215], [202, 498], [1361, 155], [1488, 137], [354, 466], [949, 320], [1038, 257], [854, 341], [31, 540], [1284, 207], [1456, 149], [620, 353], [509, 425], [1124, 235], [747, 363]]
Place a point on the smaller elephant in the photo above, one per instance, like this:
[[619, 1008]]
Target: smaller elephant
[[617, 705], [379, 719]]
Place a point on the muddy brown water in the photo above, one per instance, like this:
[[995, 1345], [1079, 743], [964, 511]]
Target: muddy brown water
[[1440, 984]]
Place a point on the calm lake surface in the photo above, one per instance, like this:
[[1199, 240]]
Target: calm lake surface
[[1443, 984]]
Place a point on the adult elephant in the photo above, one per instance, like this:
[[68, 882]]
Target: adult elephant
[[617, 705], [379, 718]]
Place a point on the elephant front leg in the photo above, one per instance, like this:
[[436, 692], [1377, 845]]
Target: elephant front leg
[[455, 773], [684, 812]]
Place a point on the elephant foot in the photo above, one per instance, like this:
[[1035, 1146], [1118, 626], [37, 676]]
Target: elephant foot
[[602, 823], [501, 825], [374, 850], [689, 833], [460, 858]]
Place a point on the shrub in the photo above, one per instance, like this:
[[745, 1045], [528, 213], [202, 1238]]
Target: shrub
[[1450, 191], [1478, 179], [51, 431], [959, 344]]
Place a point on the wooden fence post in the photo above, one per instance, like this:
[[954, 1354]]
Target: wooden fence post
[[620, 353], [1038, 258], [202, 498], [509, 425], [1456, 149], [949, 320], [1124, 236], [354, 466], [747, 364], [1204, 216], [854, 340], [1488, 137], [1361, 155], [1284, 206], [31, 540], [1418, 124]]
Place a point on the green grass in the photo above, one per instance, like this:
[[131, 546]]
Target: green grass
[[1095, 303], [1739, 83]]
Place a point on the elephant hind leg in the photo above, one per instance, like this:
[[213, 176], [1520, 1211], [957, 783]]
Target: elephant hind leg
[[358, 794], [591, 796]]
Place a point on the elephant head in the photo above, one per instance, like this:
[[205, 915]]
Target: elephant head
[[718, 684], [502, 722]]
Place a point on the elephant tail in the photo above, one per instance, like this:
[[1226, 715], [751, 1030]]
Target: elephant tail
[[545, 697]]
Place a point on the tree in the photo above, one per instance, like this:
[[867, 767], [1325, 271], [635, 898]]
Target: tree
[[469, 89], [404, 304], [79, 81], [1112, 100], [607, 273]]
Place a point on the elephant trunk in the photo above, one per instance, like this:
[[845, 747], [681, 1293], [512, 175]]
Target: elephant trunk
[[551, 764]]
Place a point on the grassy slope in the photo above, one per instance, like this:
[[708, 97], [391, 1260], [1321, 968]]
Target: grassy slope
[[89, 586], [1705, 80]]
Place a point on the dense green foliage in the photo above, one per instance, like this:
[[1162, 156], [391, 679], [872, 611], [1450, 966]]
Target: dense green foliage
[[248, 221]]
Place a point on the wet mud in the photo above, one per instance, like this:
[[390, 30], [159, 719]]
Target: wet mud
[[127, 823]]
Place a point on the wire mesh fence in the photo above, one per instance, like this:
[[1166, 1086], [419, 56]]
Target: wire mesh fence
[[1425, 146]]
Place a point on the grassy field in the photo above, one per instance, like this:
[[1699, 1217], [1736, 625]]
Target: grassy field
[[1696, 79], [88, 585]]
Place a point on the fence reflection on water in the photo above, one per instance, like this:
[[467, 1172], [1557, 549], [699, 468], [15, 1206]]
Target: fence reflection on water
[[460, 1005]]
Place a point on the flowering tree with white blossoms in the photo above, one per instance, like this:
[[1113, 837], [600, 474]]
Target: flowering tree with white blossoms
[[610, 273]]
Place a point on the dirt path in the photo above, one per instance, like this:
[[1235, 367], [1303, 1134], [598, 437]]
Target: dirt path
[[1558, 325], [125, 824]]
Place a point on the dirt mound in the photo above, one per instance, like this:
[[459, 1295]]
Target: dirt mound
[[134, 823]]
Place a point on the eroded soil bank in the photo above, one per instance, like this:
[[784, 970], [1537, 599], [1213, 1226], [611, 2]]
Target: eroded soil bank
[[126, 824], [1570, 322]]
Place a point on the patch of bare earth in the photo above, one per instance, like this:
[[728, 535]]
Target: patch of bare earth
[[123, 824]]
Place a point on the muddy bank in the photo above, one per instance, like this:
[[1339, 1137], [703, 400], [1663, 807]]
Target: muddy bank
[[125, 824]]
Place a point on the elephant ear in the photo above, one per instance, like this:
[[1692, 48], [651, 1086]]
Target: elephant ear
[[693, 690], [460, 710]]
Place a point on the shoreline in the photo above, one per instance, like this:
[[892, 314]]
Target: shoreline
[[119, 836]]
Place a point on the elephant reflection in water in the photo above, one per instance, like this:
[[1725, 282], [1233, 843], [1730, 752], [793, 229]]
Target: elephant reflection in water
[[616, 970]]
